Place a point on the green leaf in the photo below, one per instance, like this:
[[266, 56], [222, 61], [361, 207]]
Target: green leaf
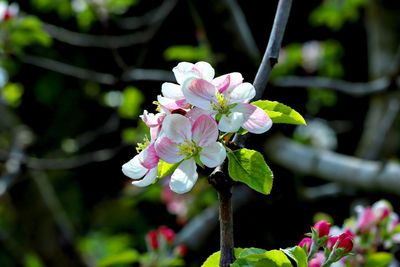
[[132, 99], [380, 259], [213, 260], [250, 252], [248, 166], [280, 113], [165, 168], [298, 255], [274, 258], [125, 257], [186, 53], [12, 93]]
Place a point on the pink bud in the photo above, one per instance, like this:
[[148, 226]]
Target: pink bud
[[322, 227], [332, 241], [318, 260], [167, 233], [152, 238], [306, 241], [345, 241], [181, 250]]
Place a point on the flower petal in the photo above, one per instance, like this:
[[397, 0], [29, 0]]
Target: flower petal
[[167, 150], [150, 178], [133, 169], [199, 93], [204, 130], [242, 93], [195, 113], [181, 70], [256, 120], [172, 90], [149, 158], [235, 78], [213, 155], [171, 104], [184, 177], [177, 128], [232, 122], [206, 71]]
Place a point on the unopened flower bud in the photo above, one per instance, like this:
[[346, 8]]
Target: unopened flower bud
[[152, 238], [322, 227], [167, 233], [181, 250], [306, 243], [345, 241]]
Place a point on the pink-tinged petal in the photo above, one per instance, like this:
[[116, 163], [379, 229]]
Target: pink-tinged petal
[[199, 93], [169, 103], [184, 177], [213, 155], [177, 128], [256, 120], [152, 120], [242, 93], [195, 113], [150, 178], [206, 71], [149, 158], [235, 78], [181, 70], [204, 131], [168, 150], [172, 90], [133, 169], [231, 123], [224, 85]]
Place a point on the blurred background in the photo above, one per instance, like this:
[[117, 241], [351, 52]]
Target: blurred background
[[76, 74]]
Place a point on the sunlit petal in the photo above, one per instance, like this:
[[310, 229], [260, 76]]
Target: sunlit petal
[[177, 128], [199, 93], [204, 131], [242, 93], [256, 120], [133, 169], [172, 90], [150, 178], [213, 155], [231, 123], [168, 150], [184, 177]]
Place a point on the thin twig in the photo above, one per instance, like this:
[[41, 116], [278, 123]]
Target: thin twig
[[149, 18]]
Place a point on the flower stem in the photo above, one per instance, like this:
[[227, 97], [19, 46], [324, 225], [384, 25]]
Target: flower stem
[[226, 227]]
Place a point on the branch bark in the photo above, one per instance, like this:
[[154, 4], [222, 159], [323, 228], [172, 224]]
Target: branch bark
[[347, 170]]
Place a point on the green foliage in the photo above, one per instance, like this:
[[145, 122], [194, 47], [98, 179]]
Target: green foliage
[[31, 260], [187, 53], [249, 167], [252, 257], [132, 98], [379, 259], [289, 60], [165, 168], [334, 13], [280, 113], [11, 93], [27, 31], [109, 250], [298, 255]]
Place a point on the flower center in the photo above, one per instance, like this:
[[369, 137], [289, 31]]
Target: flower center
[[189, 149], [222, 105]]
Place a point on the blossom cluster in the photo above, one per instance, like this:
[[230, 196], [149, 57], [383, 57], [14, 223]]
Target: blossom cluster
[[193, 115], [374, 229]]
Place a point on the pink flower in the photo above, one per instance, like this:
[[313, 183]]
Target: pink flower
[[143, 165], [152, 239], [322, 227], [381, 209], [8, 11], [154, 122], [226, 98], [366, 218], [318, 260], [172, 97], [306, 243], [189, 143], [167, 233]]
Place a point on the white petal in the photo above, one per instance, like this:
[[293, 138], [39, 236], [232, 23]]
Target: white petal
[[133, 169], [184, 177], [213, 155], [206, 71], [242, 93], [148, 179], [181, 70], [200, 93], [232, 122], [172, 90], [167, 150], [177, 128], [256, 120], [195, 113], [235, 78], [204, 131]]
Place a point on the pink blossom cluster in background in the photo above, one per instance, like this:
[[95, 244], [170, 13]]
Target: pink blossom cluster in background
[[193, 115], [372, 234]]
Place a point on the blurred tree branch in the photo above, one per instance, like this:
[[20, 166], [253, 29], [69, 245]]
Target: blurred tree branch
[[335, 167]]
